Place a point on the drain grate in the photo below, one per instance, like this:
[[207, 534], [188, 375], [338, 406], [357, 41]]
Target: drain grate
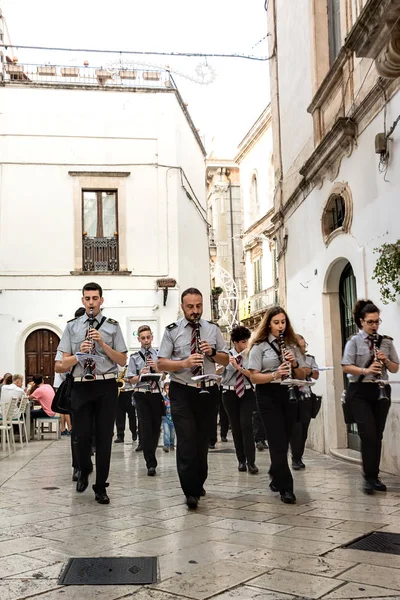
[[377, 541], [109, 571]]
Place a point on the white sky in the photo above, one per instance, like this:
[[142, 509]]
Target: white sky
[[223, 110]]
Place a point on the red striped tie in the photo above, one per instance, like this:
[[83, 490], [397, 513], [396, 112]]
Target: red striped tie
[[193, 348], [239, 385]]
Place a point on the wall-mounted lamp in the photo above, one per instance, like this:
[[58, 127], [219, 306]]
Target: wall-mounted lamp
[[164, 284]]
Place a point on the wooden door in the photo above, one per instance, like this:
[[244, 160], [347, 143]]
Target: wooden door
[[40, 351]]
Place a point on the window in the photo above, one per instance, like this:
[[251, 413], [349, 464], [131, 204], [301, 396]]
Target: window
[[257, 275], [338, 212], [334, 214], [100, 230], [334, 32], [254, 200]]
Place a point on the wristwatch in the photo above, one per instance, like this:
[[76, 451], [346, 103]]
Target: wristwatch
[[213, 352]]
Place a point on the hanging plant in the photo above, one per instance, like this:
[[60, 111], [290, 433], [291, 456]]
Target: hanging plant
[[217, 291], [387, 271]]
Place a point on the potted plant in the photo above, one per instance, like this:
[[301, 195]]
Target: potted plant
[[387, 271], [217, 291]]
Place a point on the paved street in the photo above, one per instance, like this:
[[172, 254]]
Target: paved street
[[242, 543]]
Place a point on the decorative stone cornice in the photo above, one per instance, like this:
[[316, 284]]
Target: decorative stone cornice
[[332, 79], [99, 173], [253, 135]]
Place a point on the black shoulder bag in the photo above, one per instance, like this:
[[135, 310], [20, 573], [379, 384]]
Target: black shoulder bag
[[62, 399]]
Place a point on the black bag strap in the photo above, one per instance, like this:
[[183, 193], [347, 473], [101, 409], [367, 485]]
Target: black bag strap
[[100, 324], [142, 356], [274, 349], [371, 360], [245, 376]]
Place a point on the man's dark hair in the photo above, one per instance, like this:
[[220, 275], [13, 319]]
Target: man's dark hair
[[37, 379], [191, 290], [92, 287], [80, 311], [240, 333]]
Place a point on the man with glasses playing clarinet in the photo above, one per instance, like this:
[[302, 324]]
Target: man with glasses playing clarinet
[[190, 348], [94, 391]]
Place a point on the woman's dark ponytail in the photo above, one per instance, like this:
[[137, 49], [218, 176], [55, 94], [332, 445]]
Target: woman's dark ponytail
[[361, 308]]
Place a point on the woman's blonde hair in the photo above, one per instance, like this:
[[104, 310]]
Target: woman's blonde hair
[[263, 330]]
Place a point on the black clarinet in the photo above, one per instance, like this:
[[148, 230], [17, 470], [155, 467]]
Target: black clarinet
[[147, 356], [282, 346], [89, 364], [203, 389], [382, 389]]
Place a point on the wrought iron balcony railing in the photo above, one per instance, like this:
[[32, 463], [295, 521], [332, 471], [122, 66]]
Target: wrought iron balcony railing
[[100, 254]]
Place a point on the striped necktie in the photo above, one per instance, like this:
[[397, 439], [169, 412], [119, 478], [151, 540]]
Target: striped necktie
[[193, 349], [239, 385]]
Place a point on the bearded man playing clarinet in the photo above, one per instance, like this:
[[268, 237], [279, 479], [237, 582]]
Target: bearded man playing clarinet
[[94, 391], [189, 350]]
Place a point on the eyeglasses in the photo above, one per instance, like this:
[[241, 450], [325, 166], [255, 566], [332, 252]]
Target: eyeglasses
[[370, 322]]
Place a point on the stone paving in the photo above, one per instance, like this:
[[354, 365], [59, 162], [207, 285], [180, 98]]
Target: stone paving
[[241, 543]]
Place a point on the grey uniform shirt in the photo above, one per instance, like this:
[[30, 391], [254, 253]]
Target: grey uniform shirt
[[310, 363], [263, 358], [75, 333], [175, 345], [229, 374], [357, 352], [58, 377], [136, 363]]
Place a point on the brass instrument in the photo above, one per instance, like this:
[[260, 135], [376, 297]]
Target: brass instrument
[[382, 389], [120, 379], [89, 364], [282, 347], [198, 350]]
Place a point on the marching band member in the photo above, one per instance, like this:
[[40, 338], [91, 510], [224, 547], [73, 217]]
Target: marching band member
[[274, 355], [238, 398], [183, 355], [367, 358]]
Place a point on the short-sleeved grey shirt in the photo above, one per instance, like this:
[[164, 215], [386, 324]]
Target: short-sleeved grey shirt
[[136, 362], [357, 352], [310, 363], [230, 373], [263, 358], [175, 345], [75, 333], [58, 377]]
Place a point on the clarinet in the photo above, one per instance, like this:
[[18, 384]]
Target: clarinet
[[203, 389], [282, 347], [89, 364], [147, 356], [382, 389]]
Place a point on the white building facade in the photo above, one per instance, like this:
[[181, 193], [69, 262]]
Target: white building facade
[[334, 87], [255, 159], [102, 179]]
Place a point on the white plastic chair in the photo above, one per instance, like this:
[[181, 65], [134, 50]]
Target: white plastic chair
[[19, 418], [8, 409]]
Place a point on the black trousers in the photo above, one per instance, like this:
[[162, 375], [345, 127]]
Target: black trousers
[[300, 430], [278, 416], [258, 427], [192, 414], [94, 400], [223, 420], [370, 414], [125, 407], [149, 408], [240, 413]]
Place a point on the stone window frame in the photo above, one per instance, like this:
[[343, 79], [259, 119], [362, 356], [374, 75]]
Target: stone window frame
[[339, 189]]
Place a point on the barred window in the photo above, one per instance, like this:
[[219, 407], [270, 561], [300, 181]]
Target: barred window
[[100, 230]]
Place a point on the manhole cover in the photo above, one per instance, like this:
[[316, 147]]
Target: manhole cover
[[109, 571], [377, 541]]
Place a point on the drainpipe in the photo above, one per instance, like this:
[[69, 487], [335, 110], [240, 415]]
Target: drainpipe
[[227, 174]]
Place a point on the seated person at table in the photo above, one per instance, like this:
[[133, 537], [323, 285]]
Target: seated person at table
[[43, 395], [12, 390]]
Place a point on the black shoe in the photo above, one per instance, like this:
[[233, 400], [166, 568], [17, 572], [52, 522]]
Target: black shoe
[[273, 487], [252, 469], [139, 448], [264, 443], [102, 497], [82, 483], [134, 437], [368, 486], [298, 464], [75, 474], [151, 471], [242, 467], [288, 497], [203, 492], [260, 446], [378, 485], [192, 501], [118, 440], [211, 446], [224, 439]]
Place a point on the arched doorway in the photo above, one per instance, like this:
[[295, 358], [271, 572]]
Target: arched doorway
[[347, 299], [40, 351]]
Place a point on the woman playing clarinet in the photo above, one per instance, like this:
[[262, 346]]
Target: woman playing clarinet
[[367, 358], [274, 356]]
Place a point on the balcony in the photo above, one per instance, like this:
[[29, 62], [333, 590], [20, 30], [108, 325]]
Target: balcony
[[100, 254], [253, 306]]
